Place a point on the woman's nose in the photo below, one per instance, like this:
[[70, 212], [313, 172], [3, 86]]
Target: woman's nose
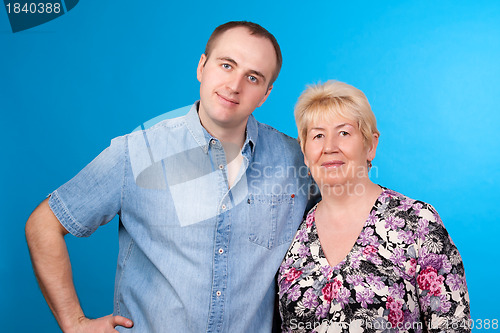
[[331, 145]]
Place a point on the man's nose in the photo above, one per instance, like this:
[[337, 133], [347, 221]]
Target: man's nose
[[234, 83]]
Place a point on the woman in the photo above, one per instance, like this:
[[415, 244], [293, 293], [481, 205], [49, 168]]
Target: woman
[[366, 258]]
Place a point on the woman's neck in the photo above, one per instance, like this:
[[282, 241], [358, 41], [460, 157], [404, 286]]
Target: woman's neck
[[344, 203]]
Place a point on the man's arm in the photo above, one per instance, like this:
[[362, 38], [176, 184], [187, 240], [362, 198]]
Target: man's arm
[[50, 258]]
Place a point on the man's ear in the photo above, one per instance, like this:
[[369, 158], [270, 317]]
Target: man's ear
[[201, 65], [265, 96]]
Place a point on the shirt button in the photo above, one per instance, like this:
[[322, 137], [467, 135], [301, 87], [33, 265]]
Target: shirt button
[[212, 142], [221, 251], [223, 207], [221, 166], [218, 293]]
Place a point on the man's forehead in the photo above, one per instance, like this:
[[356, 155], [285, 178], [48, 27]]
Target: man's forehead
[[238, 43], [241, 31]]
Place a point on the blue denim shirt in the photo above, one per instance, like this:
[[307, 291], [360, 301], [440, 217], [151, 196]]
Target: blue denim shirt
[[194, 256]]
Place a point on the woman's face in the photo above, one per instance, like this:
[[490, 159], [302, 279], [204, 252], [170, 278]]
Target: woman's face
[[336, 153]]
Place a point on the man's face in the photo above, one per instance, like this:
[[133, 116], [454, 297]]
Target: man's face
[[234, 79]]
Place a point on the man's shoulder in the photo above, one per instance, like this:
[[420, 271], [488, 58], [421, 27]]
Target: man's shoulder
[[157, 128], [268, 132]]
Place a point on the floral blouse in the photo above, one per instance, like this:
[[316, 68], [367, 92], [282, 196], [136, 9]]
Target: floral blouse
[[404, 274]]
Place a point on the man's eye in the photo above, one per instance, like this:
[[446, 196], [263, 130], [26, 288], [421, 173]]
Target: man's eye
[[252, 79], [226, 66]]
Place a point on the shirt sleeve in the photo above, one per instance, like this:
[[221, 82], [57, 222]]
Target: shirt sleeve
[[442, 289], [93, 197]]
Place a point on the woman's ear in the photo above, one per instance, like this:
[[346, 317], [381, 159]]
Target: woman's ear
[[372, 150]]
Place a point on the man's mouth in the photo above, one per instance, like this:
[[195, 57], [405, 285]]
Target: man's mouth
[[227, 99]]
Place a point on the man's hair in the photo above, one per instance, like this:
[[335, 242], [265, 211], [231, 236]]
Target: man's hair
[[334, 98], [255, 30]]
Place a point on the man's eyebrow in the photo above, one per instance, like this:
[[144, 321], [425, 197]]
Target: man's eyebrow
[[233, 62], [257, 73]]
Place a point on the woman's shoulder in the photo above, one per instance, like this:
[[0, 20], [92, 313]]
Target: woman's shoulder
[[403, 205]]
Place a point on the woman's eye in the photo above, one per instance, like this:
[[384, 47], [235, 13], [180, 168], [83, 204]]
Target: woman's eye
[[318, 136], [344, 133]]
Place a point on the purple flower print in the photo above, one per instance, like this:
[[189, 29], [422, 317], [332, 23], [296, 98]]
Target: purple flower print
[[374, 259], [406, 236], [438, 261], [366, 237], [372, 218], [446, 267], [322, 310], [355, 280], [417, 207], [355, 262], [394, 223], [302, 235], [310, 299], [405, 204], [423, 229], [284, 286], [454, 281], [397, 290], [285, 265], [343, 297], [398, 256], [445, 305], [304, 251], [326, 271], [375, 281], [432, 260], [294, 293], [365, 297]]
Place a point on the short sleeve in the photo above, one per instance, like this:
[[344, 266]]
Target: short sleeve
[[442, 289], [93, 197]]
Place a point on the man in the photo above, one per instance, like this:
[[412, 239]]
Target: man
[[208, 204]]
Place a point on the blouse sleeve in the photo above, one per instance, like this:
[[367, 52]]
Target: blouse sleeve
[[442, 289]]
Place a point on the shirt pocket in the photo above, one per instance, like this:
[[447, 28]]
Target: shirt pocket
[[271, 217]]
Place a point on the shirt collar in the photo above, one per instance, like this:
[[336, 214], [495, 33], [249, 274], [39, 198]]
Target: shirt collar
[[252, 132], [202, 137]]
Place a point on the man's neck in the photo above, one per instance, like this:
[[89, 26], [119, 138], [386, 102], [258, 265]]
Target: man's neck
[[230, 135], [232, 140]]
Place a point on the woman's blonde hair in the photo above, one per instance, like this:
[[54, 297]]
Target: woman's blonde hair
[[334, 98]]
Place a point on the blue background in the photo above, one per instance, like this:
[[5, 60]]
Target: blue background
[[431, 70]]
